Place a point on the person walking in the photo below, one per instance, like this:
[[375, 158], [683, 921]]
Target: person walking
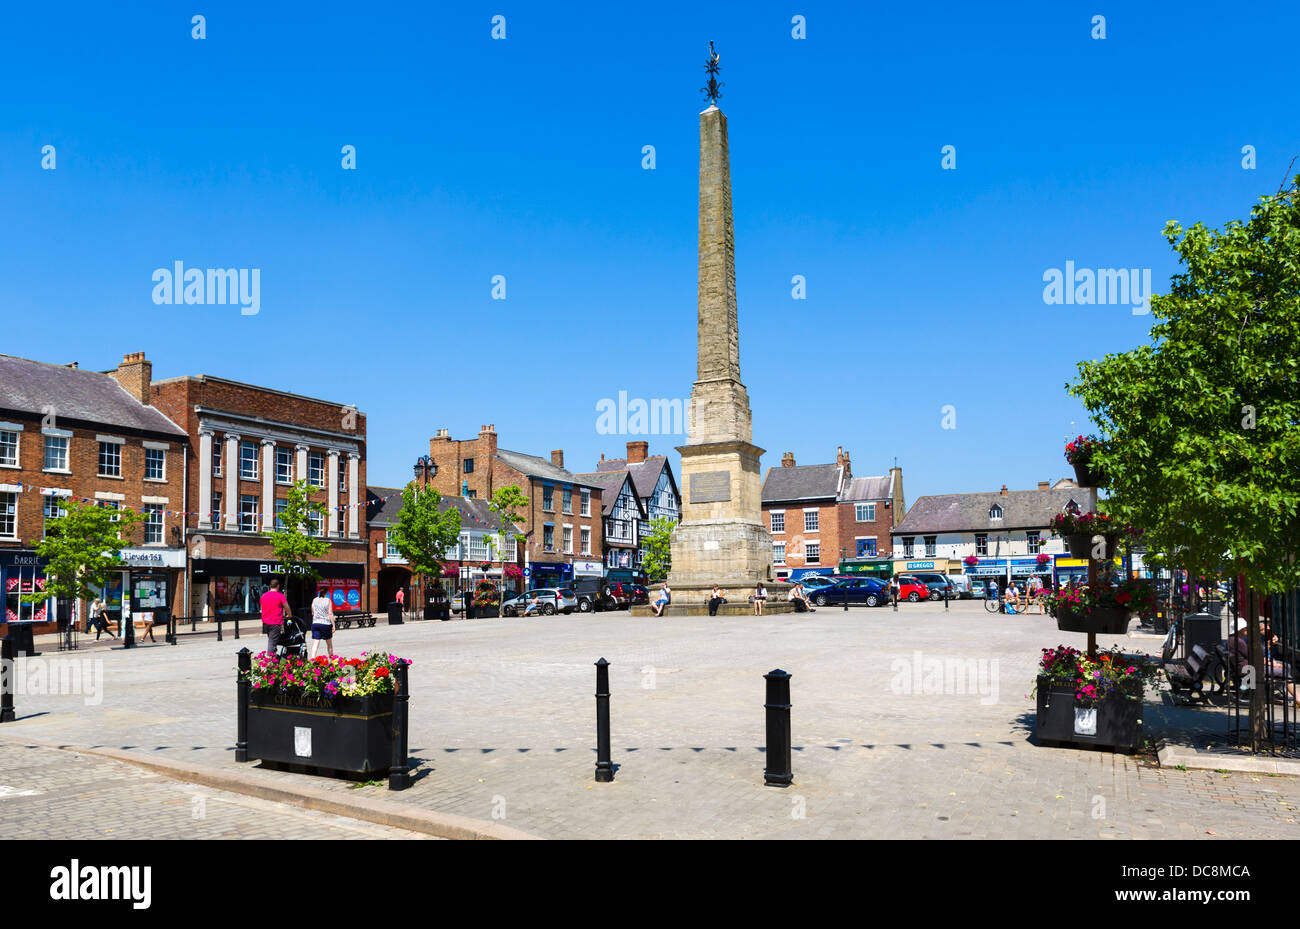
[[715, 600], [665, 597], [275, 610], [893, 590], [401, 600], [322, 622], [97, 619], [760, 595]]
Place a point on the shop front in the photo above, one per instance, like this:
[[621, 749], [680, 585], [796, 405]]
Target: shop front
[[1076, 569], [224, 586], [941, 565], [150, 580], [548, 574], [23, 573], [882, 568], [1018, 569]]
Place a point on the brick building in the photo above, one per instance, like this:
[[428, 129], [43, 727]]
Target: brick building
[[246, 446], [563, 524], [479, 543], [802, 511], [68, 433], [869, 507]]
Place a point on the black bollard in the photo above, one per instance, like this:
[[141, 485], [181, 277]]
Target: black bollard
[[846, 598], [128, 631], [7, 671], [778, 773], [604, 767], [245, 664], [946, 594], [399, 775], [170, 637]]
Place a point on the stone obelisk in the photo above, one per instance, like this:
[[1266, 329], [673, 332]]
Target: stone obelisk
[[721, 539]]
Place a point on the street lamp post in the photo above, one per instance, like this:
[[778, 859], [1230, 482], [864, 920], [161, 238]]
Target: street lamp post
[[425, 468]]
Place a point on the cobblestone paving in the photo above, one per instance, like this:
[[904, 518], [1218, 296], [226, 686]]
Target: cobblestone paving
[[503, 724], [47, 793]]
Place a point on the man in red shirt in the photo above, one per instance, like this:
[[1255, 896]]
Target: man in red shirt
[[275, 608]]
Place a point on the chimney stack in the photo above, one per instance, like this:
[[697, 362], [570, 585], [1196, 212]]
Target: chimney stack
[[135, 375], [557, 457], [488, 436], [1004, 490], [637, 451], [1043, 485], [787, 460]]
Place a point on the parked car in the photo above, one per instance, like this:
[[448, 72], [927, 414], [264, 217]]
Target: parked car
[[961, 583], [593, 594], [938, 584], [812, 582], [640, 594], [868, 590], [912, 589], [551, 600], [978, 590], [514, 604]]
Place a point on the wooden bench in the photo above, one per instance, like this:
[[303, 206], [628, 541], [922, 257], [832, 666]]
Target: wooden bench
[[1193, 677], [345, 620]]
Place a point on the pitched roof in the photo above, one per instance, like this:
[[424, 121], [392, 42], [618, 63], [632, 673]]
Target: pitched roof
[[539, 467], [475, 514], [801, 482], [610, 484], [645, 474], [868, 488], [76, 395], [1021, 509]]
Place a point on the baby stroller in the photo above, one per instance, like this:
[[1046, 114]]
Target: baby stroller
[[293, 638]]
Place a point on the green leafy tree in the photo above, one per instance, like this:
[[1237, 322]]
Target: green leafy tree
[[83, 549], [657, 544], [1201, 428], [292, 542], [424, 531], [509, 506]]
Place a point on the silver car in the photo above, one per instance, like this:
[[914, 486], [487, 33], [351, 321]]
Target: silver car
[[550, 600]]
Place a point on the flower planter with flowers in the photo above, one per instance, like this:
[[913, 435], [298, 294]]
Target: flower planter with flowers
[[1079, 530], [331, 714], [1079, 454], [1104, 608], [1091, 702], [487, 600], [970, 561]]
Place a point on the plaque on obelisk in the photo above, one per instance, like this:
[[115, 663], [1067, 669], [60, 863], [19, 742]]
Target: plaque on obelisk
[[721, 538]]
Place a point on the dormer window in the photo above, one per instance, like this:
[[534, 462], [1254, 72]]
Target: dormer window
[[1072, 507], [995, 511]]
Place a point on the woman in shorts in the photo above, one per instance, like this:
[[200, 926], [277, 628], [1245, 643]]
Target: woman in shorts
[[322, 623]]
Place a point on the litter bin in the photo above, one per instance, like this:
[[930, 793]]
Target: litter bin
[[1200, 629], [394, 614], [21, 633]]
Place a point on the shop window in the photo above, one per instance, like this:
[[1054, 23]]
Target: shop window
[[56, 453], [8, 448], [155, 464]]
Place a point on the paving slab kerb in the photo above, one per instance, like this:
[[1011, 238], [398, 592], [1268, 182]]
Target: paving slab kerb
[[913, 724]]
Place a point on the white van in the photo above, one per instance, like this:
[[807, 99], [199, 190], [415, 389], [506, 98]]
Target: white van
[[962, 583]]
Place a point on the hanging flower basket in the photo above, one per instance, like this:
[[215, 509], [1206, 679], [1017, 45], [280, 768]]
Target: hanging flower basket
[[1080, 545], [1079, 454], [1099, 620], [1044, 559], [1087, 474], [970, 561]]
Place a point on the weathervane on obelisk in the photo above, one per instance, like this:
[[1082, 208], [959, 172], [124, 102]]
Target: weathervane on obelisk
[[714, 90]]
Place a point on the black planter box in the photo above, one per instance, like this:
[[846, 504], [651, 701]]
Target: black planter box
[[347, 735], [1103, 622], [1119, 718], [485, 612]]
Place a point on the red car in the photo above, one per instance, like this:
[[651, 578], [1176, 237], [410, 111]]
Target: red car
[[912, 589]]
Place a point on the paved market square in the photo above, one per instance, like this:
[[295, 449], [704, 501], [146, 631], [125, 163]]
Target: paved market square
[[503, 730]]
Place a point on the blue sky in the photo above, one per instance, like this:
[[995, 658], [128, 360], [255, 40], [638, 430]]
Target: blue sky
[[522, 157]]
